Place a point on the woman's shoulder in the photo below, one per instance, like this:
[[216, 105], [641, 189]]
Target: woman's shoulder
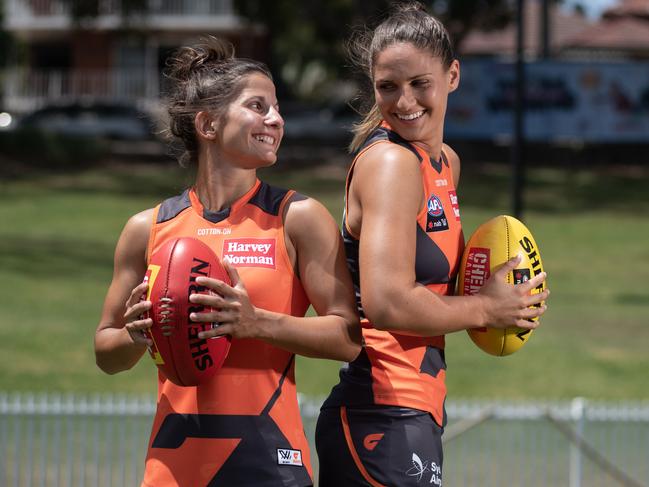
[[300, 207], [385, 153], [139, 226], [141, 221], [307, 221], [133, 241]]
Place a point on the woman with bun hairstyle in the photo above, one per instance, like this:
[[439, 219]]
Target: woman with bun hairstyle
[[382, 424], [242, 427]]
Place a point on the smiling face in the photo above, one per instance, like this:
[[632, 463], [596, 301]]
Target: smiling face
[[251, 129], [411, 89]]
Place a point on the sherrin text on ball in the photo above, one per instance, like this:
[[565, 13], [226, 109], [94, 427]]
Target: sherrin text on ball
[[183, 357], [492, 245]]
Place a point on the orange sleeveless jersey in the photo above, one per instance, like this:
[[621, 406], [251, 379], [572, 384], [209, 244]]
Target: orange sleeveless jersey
[[243, 427], [395, 369]]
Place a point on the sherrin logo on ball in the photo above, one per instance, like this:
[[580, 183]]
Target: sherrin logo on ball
[[492, 245], [183, 357]]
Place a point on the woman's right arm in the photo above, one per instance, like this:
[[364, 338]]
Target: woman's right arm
[[387, 193], [119, 341]]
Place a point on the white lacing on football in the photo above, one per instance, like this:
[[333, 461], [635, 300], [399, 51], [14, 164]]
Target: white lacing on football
[[166, 311]]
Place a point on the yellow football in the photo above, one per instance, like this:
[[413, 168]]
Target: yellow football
[[491, 245]]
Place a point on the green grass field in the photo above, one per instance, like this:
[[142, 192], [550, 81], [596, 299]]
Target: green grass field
[[58, 233]]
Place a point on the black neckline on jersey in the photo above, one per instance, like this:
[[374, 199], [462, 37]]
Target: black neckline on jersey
[[265, 197], [437, 165], [216, 216], [220, 215]]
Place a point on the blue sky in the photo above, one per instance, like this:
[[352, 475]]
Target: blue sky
[[593, 8]]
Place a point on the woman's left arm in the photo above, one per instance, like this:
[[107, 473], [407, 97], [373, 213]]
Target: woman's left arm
[[314, 239]]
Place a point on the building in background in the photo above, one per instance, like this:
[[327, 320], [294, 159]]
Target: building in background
[[589, 86], [621, 34], [562, 25], [588, 79], [111, 56]]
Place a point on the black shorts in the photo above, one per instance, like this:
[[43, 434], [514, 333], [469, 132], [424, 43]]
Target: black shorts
[[378, 446]]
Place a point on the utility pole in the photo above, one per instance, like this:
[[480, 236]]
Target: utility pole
[[545, 29], [518, 140]]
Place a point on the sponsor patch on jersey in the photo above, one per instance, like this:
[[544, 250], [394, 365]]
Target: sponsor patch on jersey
[[371, 440], [289, 457], [213, 231], [476, 271], [456, 207], [250, 252], [425, 470], [435, 217], [521, 275]]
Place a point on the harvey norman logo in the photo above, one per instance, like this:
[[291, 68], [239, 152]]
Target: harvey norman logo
[[250, 252]]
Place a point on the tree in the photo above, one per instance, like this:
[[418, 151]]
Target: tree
[[6, 41], [463, 16], [7, 47], [308, 37]]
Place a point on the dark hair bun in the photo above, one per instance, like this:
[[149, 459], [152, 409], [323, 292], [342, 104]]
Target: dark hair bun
[[187, 60], [203, 76], [409, 7]]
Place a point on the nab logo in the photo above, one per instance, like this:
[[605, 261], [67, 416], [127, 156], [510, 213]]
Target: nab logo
[[436, 220], [435, 207], [371, 440], [521, 276], [289, 457]]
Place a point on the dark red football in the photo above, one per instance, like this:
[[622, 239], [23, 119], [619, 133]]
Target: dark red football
[[182, 357]]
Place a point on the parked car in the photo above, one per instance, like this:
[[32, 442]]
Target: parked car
[[330, 124], [111, 121]]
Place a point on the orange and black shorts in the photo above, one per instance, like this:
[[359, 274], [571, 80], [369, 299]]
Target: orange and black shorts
[[378, 447]]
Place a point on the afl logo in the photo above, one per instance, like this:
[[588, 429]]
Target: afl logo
[[435, 207]]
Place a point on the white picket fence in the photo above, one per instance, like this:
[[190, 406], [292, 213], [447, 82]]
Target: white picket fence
[[100, 441]]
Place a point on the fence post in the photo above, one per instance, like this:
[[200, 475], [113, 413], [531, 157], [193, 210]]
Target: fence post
[[577, 409]]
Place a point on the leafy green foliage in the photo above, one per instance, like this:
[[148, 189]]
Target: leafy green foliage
[[313, 33], [6, 41]]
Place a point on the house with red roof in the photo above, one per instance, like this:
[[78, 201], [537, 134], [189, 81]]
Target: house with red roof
[[111, 55], [622, 32]]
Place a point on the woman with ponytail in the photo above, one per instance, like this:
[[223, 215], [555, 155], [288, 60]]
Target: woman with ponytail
[[242, 427], [382, 424]]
